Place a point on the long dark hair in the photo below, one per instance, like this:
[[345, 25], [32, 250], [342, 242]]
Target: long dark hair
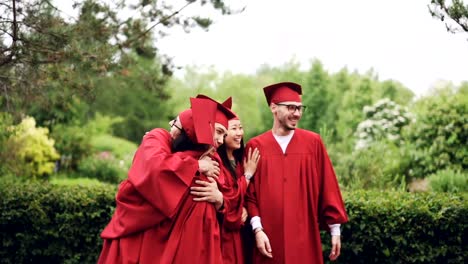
[[238, 157], [183, 142]]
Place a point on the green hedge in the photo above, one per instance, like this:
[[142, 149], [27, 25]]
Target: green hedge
[[399, 227], [44, 223]]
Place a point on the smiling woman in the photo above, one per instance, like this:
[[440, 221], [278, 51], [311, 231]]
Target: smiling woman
[[237, 244]]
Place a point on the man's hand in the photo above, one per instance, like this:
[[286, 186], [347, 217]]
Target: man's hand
[[263, 244], [208, 192], [208, 167], [336, 248], [244, 215]]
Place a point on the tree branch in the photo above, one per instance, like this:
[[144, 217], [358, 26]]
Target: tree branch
[[128, 42], [455, 19]]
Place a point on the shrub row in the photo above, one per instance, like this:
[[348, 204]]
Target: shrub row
[[44, 223], [401, 227]]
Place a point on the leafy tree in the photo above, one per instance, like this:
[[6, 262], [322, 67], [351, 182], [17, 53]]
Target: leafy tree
[[394, 91], [439, 135], [455, 11], [47, 59], [350, 109], [316, 97]]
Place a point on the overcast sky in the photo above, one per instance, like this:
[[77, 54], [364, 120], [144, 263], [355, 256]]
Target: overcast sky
[[397, 38]]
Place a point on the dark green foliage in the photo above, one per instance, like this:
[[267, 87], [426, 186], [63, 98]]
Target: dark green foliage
[[439, 137], [398, 227], [42, 223], [137, 95], [317, 98], [73, 143], [7, 166], [53, 66]]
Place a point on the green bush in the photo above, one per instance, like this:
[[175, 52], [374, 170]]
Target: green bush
[[103, 167], [401, 227], [34, 150], [381, 165], [439, 135], [44, 223], [73, 143], [449, 181]]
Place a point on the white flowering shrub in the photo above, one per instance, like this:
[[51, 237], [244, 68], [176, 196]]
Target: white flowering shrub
[[385, 119]]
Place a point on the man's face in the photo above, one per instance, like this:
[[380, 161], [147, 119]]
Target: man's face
[[219, 134], [176, 128], [287, 114]]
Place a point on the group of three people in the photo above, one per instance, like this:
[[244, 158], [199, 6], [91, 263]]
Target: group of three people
[[190, 191]]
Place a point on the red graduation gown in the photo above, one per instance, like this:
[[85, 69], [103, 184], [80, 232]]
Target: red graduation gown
[[233, 193], [295, 194], [156, 220]]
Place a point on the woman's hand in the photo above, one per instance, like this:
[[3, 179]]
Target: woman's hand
[[251, 161], [207, 192]]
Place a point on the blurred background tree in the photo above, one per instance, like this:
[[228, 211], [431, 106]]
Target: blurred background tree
[[63, 70]]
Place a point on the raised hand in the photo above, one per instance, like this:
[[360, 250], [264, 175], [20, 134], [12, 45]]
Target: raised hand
[[251, 161]]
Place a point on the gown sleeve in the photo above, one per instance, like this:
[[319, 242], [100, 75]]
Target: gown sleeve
[[331, 206], [159, 176], [251, 196]]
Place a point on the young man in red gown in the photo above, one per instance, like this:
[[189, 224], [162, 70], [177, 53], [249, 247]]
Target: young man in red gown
[[294, 192]]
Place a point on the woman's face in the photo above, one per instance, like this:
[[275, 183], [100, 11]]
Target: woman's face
[[234, 135]]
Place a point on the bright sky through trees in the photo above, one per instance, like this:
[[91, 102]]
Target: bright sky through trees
[[397, 38]]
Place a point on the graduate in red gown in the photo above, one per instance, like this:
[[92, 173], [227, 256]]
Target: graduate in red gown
[[236, 248], [156, 219], [294, 192]]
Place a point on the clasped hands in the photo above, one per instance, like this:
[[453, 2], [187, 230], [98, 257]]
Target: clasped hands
[[208, 190]]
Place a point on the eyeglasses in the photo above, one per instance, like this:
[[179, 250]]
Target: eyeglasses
[[174, 125], [292, 108]]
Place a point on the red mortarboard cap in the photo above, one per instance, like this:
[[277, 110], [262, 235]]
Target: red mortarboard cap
[[198, 122], [283, 92], [223, 114], [228, 105]]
